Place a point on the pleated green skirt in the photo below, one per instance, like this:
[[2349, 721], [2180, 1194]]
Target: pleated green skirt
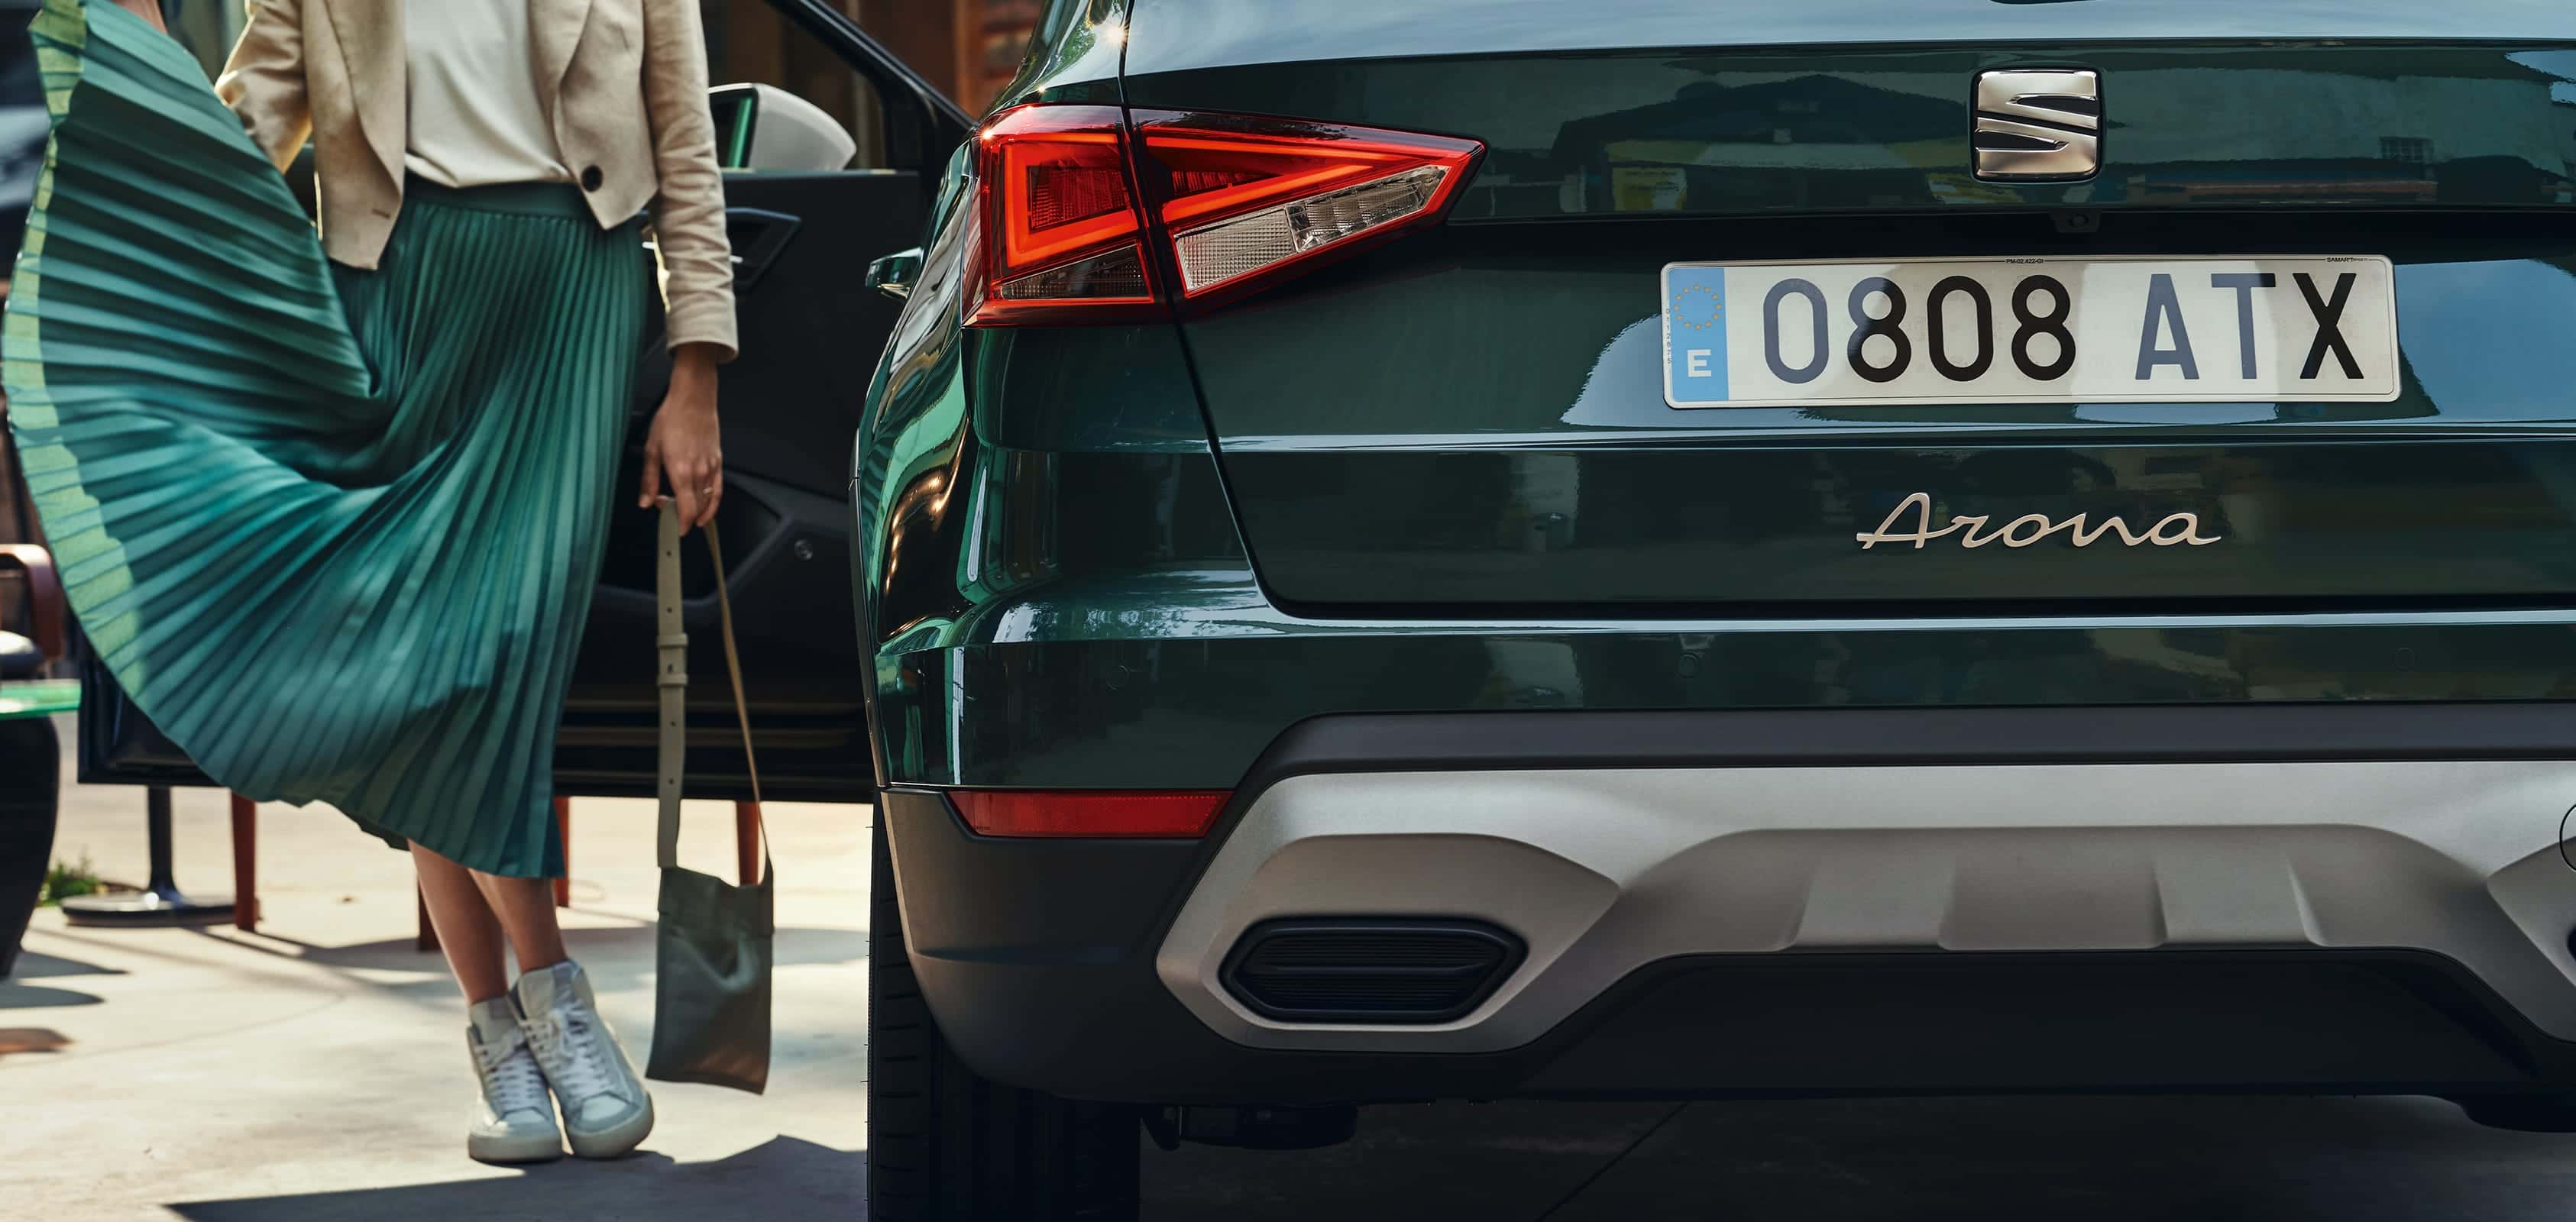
[[334, 531]]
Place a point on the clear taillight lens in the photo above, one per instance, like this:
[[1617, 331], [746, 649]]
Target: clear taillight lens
[[1237, 201], [1118, 276], [1228, 250], [1245, 196]]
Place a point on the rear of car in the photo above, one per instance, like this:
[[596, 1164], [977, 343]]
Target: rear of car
[[1455, 552]]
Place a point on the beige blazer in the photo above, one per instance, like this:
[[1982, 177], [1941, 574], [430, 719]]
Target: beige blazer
[[625, 82]]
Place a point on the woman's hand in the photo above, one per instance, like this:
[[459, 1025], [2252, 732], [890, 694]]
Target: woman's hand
[[685, 442], [149, 10]]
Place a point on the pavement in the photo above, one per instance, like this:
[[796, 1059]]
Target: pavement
[[315, 1070]]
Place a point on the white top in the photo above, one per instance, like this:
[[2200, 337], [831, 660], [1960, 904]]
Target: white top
[[476, 119]]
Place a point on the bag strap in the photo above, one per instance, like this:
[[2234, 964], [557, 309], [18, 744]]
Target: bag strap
[[673, 643]]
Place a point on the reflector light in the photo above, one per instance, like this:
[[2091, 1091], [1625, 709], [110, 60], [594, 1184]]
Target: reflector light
[[1154, 814], [1063, 194], [1118, 275], [1236, 201]]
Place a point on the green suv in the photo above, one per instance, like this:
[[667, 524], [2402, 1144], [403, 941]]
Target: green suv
[[1487, 548]]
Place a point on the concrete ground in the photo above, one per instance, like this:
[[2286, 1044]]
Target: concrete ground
[[314, 1070]]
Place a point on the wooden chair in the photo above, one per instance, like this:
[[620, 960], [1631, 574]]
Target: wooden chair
[[45, 593], [49, 620]]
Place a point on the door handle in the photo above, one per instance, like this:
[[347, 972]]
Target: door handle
[[759, 236]]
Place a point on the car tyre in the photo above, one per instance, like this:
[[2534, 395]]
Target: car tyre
[[29, 752], [946, 1144]]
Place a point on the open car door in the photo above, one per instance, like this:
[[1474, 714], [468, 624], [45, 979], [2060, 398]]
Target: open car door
[[811, 330]]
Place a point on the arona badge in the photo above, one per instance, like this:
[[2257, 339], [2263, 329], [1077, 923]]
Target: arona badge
[[2170, 530]]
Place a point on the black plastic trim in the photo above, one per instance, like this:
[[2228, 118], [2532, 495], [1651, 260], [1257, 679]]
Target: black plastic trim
[[1037, 959], [1009, 929]]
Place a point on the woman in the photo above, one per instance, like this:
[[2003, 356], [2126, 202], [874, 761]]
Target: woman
[[331, 510]]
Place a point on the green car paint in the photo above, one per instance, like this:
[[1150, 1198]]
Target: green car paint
[[1883, 127], [1441, 475], [1073, 56]]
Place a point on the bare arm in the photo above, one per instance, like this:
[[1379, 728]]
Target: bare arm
[[264, 80]]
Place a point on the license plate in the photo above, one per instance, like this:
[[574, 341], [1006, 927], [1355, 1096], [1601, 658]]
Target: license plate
[[2043, 330]]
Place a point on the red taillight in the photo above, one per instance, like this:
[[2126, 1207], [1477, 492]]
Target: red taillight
[[1062, 235], [1161, 814], [1236, 200]]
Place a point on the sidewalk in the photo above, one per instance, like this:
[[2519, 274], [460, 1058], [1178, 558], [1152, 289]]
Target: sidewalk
[[316, 1069]]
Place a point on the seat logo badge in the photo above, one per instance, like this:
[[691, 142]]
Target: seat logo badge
[[2029, 528], [2038, 125]]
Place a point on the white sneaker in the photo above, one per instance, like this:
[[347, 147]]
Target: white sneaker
[[605, 1109], [516, 1122]]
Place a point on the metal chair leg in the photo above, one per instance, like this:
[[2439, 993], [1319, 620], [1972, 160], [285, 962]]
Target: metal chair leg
[[160, 902], [245, 864]]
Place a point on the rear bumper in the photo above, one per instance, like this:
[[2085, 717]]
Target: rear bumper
[[2142, 899]]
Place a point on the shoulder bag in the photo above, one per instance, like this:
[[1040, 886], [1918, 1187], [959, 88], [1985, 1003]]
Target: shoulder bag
[[712, 951]]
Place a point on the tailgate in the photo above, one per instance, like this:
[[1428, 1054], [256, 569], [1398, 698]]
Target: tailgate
[[1477, 417]]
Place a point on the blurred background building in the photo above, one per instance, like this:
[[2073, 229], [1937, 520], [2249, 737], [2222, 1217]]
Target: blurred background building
[[967, 48]]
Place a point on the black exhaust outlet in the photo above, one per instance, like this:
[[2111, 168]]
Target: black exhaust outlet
[[1369, 970]]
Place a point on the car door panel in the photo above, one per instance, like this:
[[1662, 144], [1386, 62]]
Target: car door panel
[[811, 330], [811, 326]]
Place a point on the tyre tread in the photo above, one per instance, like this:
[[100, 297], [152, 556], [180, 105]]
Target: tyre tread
[[948, 1145]]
